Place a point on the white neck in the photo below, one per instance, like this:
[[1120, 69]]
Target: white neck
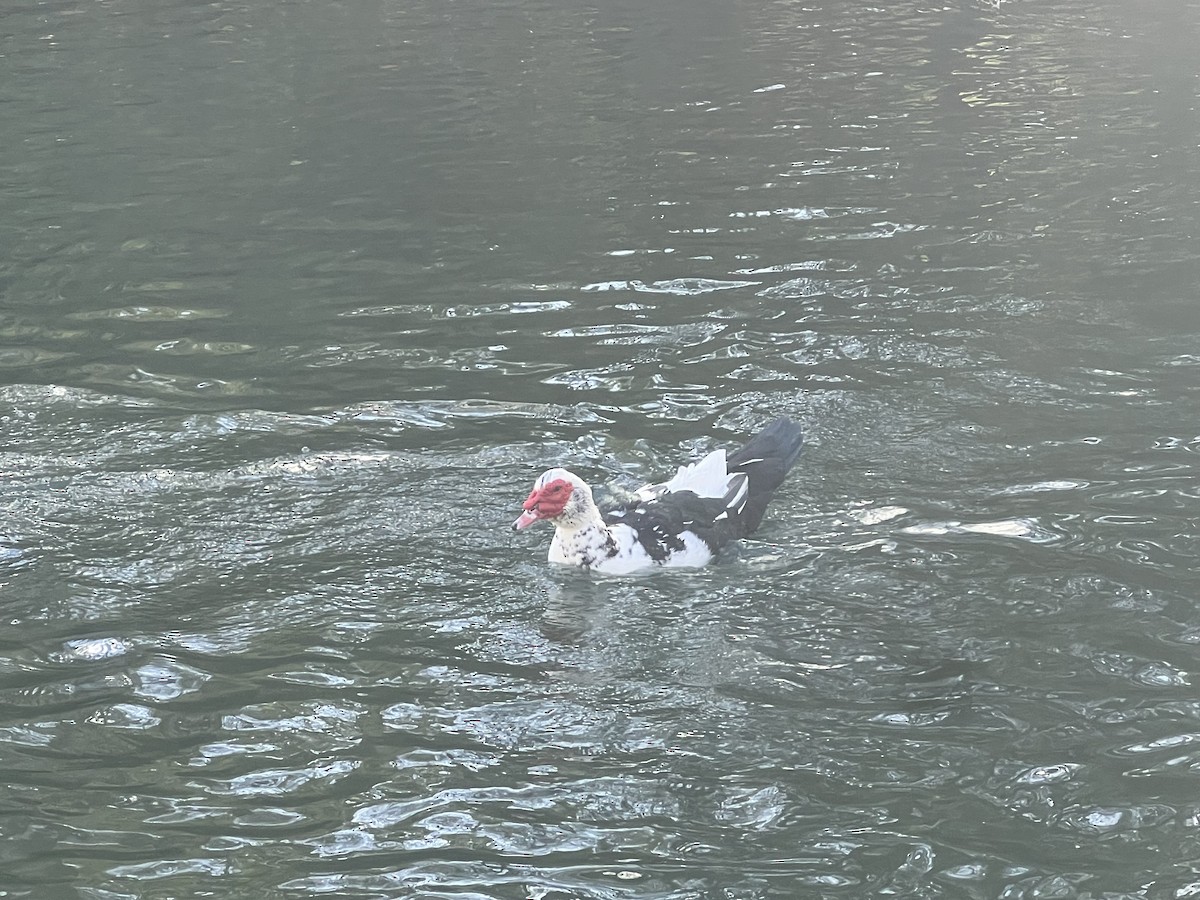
[[581, 538], [582, 516]]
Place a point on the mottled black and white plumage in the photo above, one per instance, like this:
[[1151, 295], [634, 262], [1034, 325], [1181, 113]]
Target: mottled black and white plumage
[[681, 522]]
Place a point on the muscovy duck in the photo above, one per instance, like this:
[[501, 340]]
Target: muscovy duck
[[681, 522]]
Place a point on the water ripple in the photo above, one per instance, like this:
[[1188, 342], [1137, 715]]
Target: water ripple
[[286, 336]]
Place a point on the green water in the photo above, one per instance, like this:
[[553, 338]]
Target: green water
[[297, 298]]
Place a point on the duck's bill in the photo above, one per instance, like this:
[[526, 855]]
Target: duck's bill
[[524, 520]]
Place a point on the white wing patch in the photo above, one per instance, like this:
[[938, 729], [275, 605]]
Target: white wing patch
[[707, 478]]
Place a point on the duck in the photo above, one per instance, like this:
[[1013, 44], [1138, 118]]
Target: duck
[[682, 522]]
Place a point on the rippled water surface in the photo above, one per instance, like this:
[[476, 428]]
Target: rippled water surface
[[296, 299]]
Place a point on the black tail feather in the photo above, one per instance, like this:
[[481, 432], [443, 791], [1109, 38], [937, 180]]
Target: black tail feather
[[766, 460]]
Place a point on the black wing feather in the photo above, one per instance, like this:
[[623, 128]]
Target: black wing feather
[[660, 523], [765, 461]]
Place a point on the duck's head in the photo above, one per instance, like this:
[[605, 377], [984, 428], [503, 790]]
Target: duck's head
[[557, 495]]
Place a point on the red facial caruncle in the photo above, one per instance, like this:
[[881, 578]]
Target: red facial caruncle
[[545, 502]]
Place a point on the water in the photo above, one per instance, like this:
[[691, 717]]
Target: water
[[297, 298]]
